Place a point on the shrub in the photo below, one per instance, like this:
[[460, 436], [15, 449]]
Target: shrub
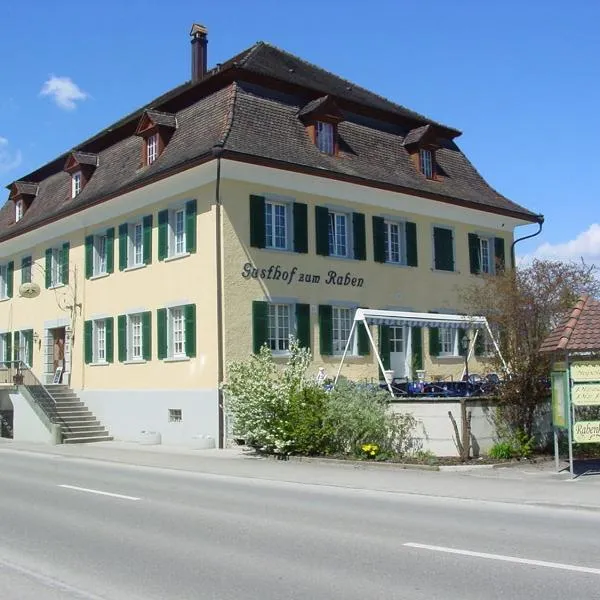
[[502, 450]]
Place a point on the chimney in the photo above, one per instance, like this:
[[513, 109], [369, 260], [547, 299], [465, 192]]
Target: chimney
[[199, 51]]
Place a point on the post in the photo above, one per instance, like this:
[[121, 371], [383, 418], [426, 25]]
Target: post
[[571, 418], [378, 357], [556, 454], [345, 352]]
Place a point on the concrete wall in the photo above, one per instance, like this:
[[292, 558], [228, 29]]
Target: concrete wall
[[27, 426], [126, 413]]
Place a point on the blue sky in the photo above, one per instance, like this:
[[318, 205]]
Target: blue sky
[[520, 79]]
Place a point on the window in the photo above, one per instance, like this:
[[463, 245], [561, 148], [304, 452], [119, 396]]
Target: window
[[177, 238], [23, 348], [342, 324], [176, 231], [395, 242], [136, 247], [443, 249], [75, 184], [276, 225], [279, 327], [152, 149], [176, 332], [100, 254], [176, 343], [484, 255], [338, 234], [99, 341], [175, 415], [4, 357], [325, 133], [448, 341], [56, 268], [18, 210], [26, 269], [397, 339], [3, 282], [426, 162], [134, 351]]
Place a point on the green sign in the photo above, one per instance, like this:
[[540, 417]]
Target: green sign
[[560, 399]]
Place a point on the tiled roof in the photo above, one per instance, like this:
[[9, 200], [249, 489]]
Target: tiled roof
[[86, 158], [256, 120], [162, 118], [25, 187], [313, 105], [414, 136], [579, 331]]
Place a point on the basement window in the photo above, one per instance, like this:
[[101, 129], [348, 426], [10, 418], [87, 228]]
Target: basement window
[[175, 415]]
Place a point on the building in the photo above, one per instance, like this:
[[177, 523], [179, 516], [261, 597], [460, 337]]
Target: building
[[264, 197]]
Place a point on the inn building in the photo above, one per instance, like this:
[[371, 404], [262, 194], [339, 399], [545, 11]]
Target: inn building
[[265, 197]]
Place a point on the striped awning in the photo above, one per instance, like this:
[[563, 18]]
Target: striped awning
[[395, 318]]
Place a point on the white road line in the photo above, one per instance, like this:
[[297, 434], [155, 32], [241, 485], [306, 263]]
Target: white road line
[[100, 493], [511, 559]]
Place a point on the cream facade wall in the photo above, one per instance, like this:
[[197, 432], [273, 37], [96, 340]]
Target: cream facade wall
[[385, 286]]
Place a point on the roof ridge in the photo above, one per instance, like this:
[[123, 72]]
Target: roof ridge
[[356, 85], [251, 51], [571, 322], [233, 93]]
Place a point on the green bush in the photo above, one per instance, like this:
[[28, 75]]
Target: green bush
[[502, 450]]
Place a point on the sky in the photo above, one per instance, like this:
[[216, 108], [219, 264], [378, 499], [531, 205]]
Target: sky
[[520, 79]]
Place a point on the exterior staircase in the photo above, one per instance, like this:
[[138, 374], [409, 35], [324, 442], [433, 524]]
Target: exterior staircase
[[77, 422]]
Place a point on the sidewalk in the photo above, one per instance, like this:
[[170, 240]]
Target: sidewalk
[[534, 484]]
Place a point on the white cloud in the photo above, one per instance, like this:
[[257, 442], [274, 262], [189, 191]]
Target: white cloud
[[586, 245], [9, 159], [64, 91]]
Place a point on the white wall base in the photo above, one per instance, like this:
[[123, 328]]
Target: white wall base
[[126, 413], [27, 426]]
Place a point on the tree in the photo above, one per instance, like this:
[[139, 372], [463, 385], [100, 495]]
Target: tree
[[523, 306]]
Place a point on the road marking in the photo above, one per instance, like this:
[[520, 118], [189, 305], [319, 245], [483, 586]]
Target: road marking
[[511, 559], [99, 492]]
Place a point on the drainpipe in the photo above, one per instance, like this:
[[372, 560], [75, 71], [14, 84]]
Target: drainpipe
[[540, 222], [217, 152]]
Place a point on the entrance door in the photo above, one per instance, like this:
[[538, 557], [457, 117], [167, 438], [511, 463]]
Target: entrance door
[[398, 351], [55, 352]]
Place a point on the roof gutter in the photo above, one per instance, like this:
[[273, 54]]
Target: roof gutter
[[540, 222]]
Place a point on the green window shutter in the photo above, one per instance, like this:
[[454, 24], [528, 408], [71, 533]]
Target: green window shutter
[[16, 342], [89, 256], [163, 234], [411, 245], [161, 333], [384, 346], [260, 325], [325, 330], [364, 345], [109, 324], [147, 224], [191, 211], [416, 340], [474, 253], [379, 239], [8, 341], [434, 341], [123, 243], [443, 249], [26, 269], [29, 341], [110, 250], [303, 325], [48, 267], [360, 236], [322, 230], [480, 343], [122, 337], [190, 330], [300, 212], [147, 335], [10, 278], [87, 342], [64, 263], [499, 254], [257, 221]]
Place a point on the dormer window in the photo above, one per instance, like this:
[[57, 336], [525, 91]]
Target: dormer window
[[325, 137], [152, 149], [426, 162], [19, 209], [75, 184]]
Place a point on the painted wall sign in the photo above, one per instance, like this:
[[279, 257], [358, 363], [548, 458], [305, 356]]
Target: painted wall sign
[[294, 275], [585, 371], [586, 394], [560, 401], [586, 432]]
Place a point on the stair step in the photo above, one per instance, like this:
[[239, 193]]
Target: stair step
[[63, 414], [82, 432], [77, 419], [68, 403], [88, 440], [65, 397]]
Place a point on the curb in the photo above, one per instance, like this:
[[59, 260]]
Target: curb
[[354, 463]]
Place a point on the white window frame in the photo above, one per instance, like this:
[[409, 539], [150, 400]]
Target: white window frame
[[401, 225], [23, 350], [426, 162], [151, 148], [338, 344], [76, 180], [277, 340], [174, 240], [135, 347], [3, 347], [100, 262], [29, 278], [99, 341], [133, 250], [448, 347], [486, 267], [333, 215], [56, 268], [19, 210], [3, 281], [272, 240], [176, 332], [325, 134]]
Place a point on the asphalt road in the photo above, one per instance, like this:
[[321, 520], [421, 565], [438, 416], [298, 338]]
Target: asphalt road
[[77, 529]]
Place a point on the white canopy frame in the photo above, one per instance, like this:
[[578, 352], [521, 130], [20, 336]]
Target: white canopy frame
[[396, 318]]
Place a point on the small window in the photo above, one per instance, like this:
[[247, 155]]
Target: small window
[[136, 244], [134, 337], [448, 341], [3, 282], [100, 254], [395, 242], [22, 346], [56, 271], [338, 234], [152, 149], [75, 184], [176, 343], [341, 326], [276, 223], [177, 232], [426, 162], [4, 358], [279, 327], [26, 269], [99, 341], [175, 415], [19, 209], [325, 133], [396, 339], [485, 256]]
